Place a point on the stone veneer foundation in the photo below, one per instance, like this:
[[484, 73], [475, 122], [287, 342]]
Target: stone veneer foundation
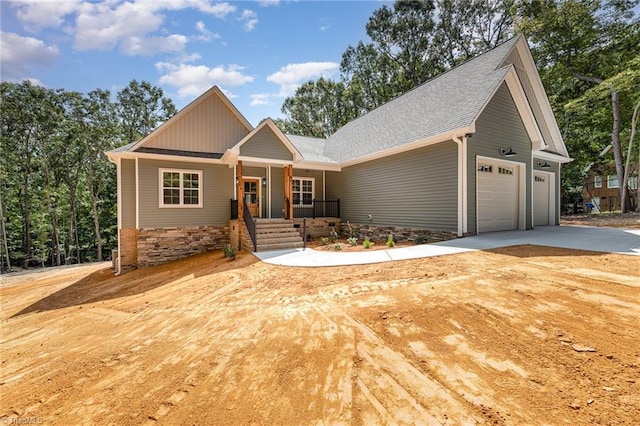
[[160, 245], [318, 227], [380, 233]]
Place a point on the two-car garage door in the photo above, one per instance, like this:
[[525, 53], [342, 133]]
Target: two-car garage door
[[498, 196], [499, 200]]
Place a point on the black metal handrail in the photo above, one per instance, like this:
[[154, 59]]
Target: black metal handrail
[[318, 208], [251, 224]]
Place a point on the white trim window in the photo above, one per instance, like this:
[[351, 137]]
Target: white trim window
[[180, 188], [303, 191], [612, 181], [597, 181]]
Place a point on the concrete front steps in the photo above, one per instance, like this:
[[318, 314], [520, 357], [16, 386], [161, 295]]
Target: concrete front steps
[[277, 234]]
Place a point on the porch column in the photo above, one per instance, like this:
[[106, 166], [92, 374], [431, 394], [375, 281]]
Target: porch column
[[288, 192], [240, 189]]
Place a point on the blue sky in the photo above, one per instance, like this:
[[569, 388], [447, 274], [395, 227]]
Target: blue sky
[[256, 52]]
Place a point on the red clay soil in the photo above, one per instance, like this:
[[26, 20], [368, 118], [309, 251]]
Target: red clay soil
[[520, 335]]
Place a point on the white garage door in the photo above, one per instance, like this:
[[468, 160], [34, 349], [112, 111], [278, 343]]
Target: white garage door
[[541, 197], [497, 196]]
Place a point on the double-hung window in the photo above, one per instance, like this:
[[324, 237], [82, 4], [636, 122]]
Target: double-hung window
[[302, 191], [180, 188], [612, 181], [597, 181]]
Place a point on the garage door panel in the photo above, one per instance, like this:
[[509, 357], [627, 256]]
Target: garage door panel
[[497, 197], [541, 198]]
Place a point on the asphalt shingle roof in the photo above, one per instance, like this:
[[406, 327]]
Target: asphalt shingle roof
[[450, 101], [312, 149]]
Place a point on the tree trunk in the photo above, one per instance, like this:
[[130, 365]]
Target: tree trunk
[[26, 224], [617, 149], [5, 245], [94, 212], [627, 167]]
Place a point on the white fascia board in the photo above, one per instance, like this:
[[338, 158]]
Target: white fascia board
[[549, 156], [442, 137], [524, 109], [264, 161], [317, 165], [541, 95], [162, 157]]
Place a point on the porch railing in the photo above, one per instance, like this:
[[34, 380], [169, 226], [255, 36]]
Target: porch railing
[[251, 224], [318, 208]]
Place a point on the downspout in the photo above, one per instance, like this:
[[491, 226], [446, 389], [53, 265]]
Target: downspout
[[461, 142], [235, 189]]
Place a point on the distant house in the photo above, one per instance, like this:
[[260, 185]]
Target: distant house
[[474, 150], [601, 190]]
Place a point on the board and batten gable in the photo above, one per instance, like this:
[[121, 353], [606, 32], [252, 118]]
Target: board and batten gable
[[416, 189], [265, 144], [209, 127], [128, 197], [499, 126], [217, 191], [514, 59]]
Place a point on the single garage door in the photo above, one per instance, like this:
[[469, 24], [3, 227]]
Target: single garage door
[[541, 198], [497, 196]]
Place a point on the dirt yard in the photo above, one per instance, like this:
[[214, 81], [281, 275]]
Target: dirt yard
[[522, 335]]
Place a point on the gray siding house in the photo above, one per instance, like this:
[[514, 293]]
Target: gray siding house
[[474, 150]]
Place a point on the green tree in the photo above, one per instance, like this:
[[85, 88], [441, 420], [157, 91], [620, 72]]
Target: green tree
[[141, 108], [579, 45]]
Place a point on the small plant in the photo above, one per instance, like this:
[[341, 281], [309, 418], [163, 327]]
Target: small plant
[[352, 241], [390, 242], [229, 251], [324, 240], [367, 243], [337, 246], [421, 239], [333, 235]]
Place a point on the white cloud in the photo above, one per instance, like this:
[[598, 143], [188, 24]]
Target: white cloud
[[205, 34], [260, 99], [147, 46], [265, 3], [250, 19], [44, 13], [193, 80], [250, 25], [100, 27], [291, 76], [135, 26], [18, 54]]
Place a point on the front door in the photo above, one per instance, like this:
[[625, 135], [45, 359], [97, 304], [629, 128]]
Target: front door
[[252, 196]]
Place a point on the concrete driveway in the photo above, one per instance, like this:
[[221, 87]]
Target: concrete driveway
[[608, 240]]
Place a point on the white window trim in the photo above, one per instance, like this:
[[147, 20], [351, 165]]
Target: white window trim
[[597, 181], [609, 181], [161, 203], [313, 190]]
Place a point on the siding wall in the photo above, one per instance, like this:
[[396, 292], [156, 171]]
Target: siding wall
[[499, 126], [217, 191], [555, 169], [209, 127], [128, 187], [277, 192], [416, 189], [265, 144]]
